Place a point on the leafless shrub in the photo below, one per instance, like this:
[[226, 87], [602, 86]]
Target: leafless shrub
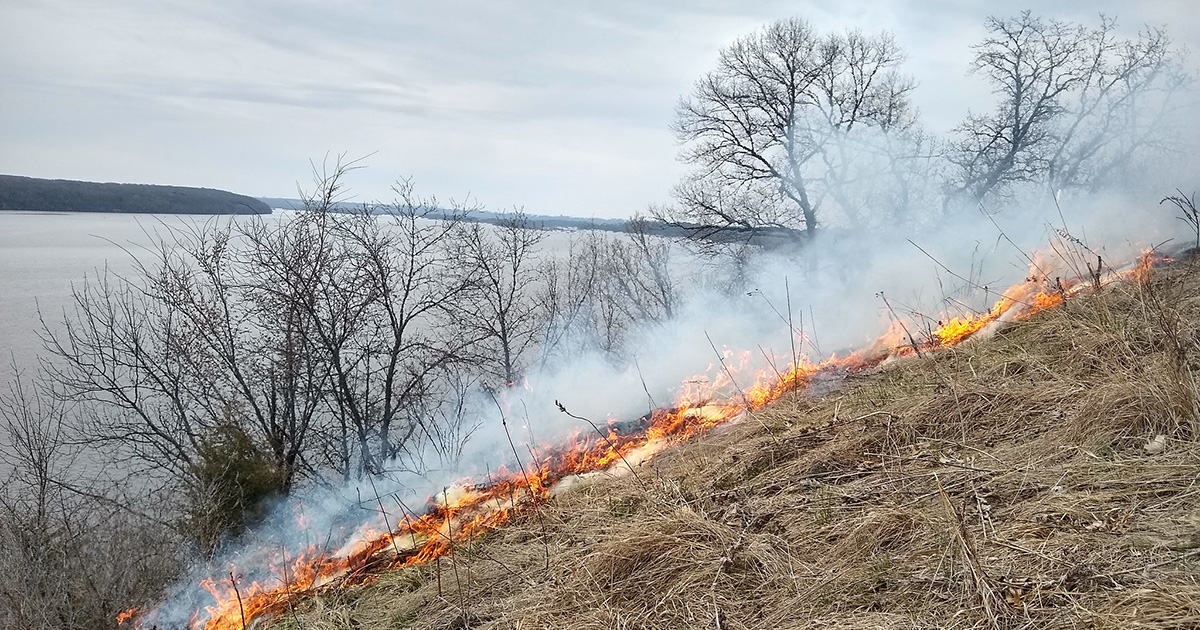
[[74, 552], [1187, 212], [605, 286], [325, 339]]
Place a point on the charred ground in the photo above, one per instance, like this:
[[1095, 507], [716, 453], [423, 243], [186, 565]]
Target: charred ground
[[1017, 481]]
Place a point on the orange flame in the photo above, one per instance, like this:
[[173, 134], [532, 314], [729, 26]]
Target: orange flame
[[1145, 262], [126, 615]]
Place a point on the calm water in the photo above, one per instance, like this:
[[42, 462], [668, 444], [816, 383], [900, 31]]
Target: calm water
[[43, 254]]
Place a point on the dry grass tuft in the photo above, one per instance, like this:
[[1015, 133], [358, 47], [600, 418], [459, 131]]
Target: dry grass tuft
[[1014, 482]]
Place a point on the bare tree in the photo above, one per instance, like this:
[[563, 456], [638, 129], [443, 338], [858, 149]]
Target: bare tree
[[604, 287], [501, 264], [884, 179], [1077, 105], [568, 299], [73, 552], [638, 277], [316, 343], [383, 320], [774, 129]]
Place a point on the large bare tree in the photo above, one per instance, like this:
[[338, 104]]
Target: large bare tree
[[1077, 106], [775, 128]]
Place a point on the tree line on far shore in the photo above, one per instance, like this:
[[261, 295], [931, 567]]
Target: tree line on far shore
[[31, 194]]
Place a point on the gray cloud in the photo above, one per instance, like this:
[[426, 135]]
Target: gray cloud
[[560, 107]]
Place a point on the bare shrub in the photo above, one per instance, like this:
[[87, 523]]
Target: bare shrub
[[74, 551], [331, 333]]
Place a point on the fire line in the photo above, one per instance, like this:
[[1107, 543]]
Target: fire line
[[445, 521]]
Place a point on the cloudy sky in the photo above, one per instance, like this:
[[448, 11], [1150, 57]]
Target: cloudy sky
[[559, 107]]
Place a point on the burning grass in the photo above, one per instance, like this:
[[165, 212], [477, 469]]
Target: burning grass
[[1012, 482]]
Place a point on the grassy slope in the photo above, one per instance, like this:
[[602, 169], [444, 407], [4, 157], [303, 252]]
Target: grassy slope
[[1005, 483]]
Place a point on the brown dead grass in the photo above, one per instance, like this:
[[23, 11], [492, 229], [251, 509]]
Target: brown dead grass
[[1002, 484]]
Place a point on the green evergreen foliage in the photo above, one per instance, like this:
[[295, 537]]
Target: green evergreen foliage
[[234, 483]]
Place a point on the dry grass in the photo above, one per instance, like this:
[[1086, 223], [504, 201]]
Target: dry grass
[[1003, 484]]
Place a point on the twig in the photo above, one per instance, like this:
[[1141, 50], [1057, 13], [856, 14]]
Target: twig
[[604, 437], [528, 425], [287, 581], [812, 323], [996, 541], [771, 362], [961, 445], [1032, 262], [787, 291], [726, 560], [386, 522], [986, 291], [462, 602], [979, 578], [1186, 205], [512, 494], [438, 533], [532, 493], [649, 398], [937, 462], [241, 609], [1190, 554], [876, 413], [408, 516], [911, 340]]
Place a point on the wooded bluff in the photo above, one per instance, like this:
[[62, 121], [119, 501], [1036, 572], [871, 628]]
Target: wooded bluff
[[61, 195]]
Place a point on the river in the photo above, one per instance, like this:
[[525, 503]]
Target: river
[[43, 254]]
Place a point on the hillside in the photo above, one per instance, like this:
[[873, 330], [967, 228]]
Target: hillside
[[60, 195], [1042, 478]]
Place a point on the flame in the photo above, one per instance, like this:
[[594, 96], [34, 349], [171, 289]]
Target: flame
[[127, 615], [1148, 259], [446, 521]]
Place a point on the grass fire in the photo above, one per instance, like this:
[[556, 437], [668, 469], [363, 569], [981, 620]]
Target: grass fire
[[451, 520], [629, 316]]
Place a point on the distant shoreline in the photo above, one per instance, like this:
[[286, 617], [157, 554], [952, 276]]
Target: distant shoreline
[[197, 214], [31, 194]]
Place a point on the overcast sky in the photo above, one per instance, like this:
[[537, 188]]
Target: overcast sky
[[559, 107]]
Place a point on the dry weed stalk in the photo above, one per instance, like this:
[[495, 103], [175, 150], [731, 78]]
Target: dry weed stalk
[[980, 583]]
